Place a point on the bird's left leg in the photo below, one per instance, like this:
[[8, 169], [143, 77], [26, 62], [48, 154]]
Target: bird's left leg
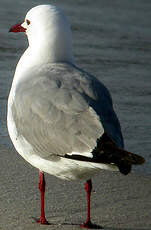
[[41, 186]]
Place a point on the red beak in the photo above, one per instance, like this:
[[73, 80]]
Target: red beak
[[17, 28]]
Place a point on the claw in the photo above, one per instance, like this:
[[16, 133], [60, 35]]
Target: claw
[[42, 221]]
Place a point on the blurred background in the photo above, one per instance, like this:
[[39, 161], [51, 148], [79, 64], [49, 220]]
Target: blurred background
[[111, 40]]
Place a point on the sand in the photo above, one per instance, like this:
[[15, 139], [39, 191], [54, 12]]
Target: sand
[[111, 39], [118, 202]]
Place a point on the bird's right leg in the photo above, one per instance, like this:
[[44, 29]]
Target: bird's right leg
[[88, 223]]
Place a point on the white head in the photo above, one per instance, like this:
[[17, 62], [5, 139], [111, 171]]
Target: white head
[[48, 33]]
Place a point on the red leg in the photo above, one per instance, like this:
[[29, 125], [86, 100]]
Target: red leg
[[88, 223], [41, 186]]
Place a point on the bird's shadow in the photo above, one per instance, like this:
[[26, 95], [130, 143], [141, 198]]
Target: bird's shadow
[[94, 226], [105, 227]]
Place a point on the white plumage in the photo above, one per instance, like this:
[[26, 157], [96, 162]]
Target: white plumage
[[57, 112], [51, 110]]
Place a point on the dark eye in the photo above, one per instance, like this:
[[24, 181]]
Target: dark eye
[[28, 22]]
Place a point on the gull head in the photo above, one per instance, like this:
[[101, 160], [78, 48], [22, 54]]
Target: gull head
[[48, 32]]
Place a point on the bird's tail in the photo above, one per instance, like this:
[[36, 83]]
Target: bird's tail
[[125, 160], [108, 152]]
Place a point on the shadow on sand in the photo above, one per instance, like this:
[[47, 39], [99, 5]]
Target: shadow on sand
[[94, 227]]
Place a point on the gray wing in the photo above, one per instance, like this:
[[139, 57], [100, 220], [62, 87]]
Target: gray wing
[[61, 109], [103, 106]]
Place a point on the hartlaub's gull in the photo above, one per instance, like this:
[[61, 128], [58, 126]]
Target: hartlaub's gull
[[61, 118]]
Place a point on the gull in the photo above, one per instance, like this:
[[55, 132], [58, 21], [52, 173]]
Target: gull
[[60, 118]]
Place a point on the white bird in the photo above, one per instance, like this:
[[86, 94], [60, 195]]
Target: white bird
[[60, 118]]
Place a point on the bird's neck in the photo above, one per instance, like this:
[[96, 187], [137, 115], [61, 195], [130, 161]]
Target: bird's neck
[[47, 53], [37, 56]]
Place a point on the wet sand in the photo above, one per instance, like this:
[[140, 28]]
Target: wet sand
[[118, 202], [111, 39]]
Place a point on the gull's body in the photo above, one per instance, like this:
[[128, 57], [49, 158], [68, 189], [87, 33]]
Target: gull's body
[[61, 108], [58, 113]]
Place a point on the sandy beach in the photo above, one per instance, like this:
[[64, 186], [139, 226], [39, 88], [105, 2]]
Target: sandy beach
[[111, 40], [118, 202]]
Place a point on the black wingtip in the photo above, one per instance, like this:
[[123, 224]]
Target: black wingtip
[[137, 159], [124, 168]]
